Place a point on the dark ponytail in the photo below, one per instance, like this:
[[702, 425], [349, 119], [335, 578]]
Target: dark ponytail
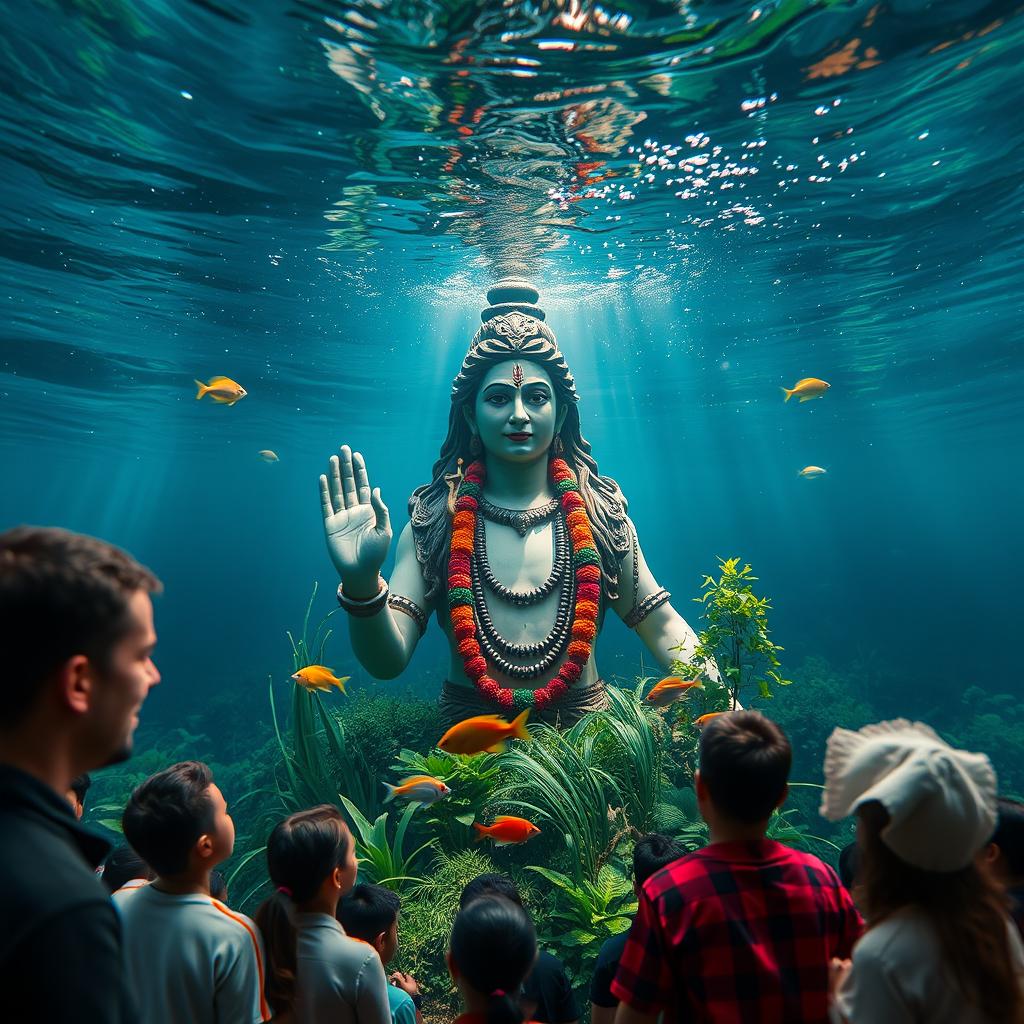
[[493, 947], [301, 852]]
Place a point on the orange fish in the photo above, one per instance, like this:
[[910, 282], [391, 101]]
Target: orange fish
[[704, 719], [808, 388], [671, 689], [483, 732], [317, 677], [421, 789], [221, 389], [810, 472], [507, 830]]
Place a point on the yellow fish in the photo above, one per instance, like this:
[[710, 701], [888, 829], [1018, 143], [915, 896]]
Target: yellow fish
[[671, 689], [268, 456], [316, 677], [808, 388], [483, 732], [811, 472], [704, 719], [221, 389], [422, 789]]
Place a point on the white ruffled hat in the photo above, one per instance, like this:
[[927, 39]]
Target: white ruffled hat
[[941, 801]]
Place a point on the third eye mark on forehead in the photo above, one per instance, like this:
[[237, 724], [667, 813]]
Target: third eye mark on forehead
[[509, 386]]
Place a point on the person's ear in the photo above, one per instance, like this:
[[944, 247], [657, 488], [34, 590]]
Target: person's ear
[[76, 682], [699, 787], [784, 797], [338, 878], [990, 854], [204, 847], [379, 941], [453, 971]]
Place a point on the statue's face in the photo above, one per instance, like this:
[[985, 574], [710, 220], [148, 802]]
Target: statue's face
[[515, 413]]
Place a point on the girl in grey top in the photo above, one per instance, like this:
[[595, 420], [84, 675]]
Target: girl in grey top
[[315, 972]]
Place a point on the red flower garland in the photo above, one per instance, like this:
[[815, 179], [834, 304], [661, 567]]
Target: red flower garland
[[587, 567]]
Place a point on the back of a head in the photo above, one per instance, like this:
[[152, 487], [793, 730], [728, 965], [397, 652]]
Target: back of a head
[[490, 884], [122, 866], [493, 948], [61, 594], [302, 850], [168, 813], [849, 865], [80, 786], [652, 853], [744, 763], [966, 909], [368, 910], [1009, 837]]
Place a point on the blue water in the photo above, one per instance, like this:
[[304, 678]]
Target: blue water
[[312, 197]]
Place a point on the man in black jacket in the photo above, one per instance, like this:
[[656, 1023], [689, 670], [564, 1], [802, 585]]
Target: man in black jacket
[[76, 632]]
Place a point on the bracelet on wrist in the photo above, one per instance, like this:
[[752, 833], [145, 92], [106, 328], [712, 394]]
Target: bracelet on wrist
[[364, 608]]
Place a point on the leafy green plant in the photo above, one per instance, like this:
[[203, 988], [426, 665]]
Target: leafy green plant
[[629, 742], [585, 914], [383, 860], [678, 816], [736, 637], [471, 781], [551, 780]]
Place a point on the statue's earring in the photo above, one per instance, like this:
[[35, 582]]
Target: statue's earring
[[558, 446], [474, 446]]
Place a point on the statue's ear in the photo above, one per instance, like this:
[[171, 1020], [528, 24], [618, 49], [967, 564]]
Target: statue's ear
[[467, 412]]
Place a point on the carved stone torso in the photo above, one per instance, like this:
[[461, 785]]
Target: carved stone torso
[[521, 563]]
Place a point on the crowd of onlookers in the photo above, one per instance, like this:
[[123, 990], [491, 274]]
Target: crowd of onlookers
[[922, 922]]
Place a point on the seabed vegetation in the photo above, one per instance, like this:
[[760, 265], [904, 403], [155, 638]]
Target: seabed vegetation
[[592, 789]]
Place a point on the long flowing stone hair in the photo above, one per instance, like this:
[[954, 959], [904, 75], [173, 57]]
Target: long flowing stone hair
[[513, 328]]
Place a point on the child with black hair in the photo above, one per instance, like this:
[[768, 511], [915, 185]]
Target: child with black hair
[[316, 972], [187, 957], [745, 928], [492, 949], [1004, 855], [370, 913], [651, 853], [125, 870], [547, 996]]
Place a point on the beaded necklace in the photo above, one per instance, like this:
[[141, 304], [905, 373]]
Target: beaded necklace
[[586, 565]]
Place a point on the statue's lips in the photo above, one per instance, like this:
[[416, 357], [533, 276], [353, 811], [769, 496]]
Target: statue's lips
[[519, 437]]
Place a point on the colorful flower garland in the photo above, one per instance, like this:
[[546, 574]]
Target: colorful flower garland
[[586, 564]]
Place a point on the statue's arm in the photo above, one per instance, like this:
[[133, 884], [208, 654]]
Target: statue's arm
[[384, 642], [664, 632]]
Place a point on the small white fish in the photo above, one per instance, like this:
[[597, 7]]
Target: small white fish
[[810, 472], [268, 456]]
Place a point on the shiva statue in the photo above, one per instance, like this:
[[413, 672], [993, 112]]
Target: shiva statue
[[518, 543]]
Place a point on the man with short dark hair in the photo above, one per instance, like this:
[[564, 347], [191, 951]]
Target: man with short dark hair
[[188, 957], [547, 992], [76, 631], [370, 913], [650, 854], [745, 928]]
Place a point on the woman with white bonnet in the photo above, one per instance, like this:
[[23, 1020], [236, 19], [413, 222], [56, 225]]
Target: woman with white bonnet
[[939, 947]]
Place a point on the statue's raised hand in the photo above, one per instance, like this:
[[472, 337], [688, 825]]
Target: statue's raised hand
[[356, 523]]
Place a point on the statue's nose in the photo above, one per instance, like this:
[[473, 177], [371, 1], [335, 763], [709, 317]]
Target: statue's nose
[[518, 413]]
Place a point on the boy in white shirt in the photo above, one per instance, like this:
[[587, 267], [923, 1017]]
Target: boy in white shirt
[[188, 957]]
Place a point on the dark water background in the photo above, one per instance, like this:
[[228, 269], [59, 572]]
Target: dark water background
[[311, 198]]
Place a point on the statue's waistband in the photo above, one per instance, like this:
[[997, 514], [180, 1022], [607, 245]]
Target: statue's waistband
[[457, 703]]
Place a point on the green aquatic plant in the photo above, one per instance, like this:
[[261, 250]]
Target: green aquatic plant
[[471, 780], [628, 741], [381, 723], [382, 860], [584, 915], [319, 762], [736, 637], [561, 789]]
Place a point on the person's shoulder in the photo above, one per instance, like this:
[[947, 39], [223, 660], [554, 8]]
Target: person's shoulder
[[817, 872], [399, 999], [612, 949]]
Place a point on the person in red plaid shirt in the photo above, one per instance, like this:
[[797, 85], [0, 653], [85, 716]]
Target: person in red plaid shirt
[[744, 929]]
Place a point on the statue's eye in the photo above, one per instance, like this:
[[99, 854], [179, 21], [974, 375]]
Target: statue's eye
[[537, 397], [498, 398]]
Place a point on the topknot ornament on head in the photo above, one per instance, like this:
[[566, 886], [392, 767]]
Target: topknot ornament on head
[[513, 325]]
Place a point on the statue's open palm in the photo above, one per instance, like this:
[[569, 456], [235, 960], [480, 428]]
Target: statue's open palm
[[356, 522]]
